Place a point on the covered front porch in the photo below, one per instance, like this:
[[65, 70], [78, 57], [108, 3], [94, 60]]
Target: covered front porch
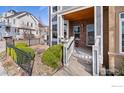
[[80, 24], [79, 30]]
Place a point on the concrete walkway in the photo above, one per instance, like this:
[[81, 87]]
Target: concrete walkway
[[78, 66], [2, 70], [2, 46]]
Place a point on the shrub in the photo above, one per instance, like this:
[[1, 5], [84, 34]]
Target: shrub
[[121, 71], [21, 44], [50, 59], [29, 51], [56, 50], [52, 56]]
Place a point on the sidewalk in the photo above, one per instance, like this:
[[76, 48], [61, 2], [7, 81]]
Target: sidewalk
[[2, 70], [2, 46]]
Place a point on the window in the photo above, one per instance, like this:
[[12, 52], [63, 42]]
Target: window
[[54, 35], [13, 21], [54, 8], [90, 35], [54, 18], [76, 30], [7, 20], [54, 27], [27, 23], [121, 32], [31, 24]]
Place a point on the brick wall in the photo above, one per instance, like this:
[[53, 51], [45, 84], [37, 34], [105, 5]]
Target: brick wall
[[82, 24]]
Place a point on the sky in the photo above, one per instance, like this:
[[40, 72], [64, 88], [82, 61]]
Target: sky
[[41, 12]]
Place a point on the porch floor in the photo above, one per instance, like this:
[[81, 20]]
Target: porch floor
[[79, 64]]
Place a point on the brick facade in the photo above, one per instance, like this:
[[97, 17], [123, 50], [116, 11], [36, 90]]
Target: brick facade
[[82, 24]]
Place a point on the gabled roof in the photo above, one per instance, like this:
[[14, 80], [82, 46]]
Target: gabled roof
[[16, 14], [23, 14]]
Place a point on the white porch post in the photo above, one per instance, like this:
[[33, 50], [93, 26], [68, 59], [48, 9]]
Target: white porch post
[[67, 36], [98, 47], [58, 29], [61, 27]]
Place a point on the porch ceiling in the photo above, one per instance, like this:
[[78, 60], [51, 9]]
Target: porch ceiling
[[85, 14]]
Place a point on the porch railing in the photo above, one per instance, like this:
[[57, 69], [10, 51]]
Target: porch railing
[[68, 50]]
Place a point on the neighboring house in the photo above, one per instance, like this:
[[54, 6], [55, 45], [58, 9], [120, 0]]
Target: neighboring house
[[44, 33], [19, 24], [98, 28]]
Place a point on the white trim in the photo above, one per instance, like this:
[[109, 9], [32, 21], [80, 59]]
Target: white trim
[[120, 32], [67, 29], [98, 38], [58, 28], [102, 34], [61, 26]]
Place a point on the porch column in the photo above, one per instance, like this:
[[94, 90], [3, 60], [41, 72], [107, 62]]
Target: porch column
[[61, 27], [98, 47], [67, 36], [58, 29]]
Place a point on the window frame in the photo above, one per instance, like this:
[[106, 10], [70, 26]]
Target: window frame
[[87, 44], [120, 32]]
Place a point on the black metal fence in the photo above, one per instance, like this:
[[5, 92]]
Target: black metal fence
[[24, 60]]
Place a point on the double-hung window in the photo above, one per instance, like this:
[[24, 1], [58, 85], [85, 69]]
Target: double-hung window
[[121, 17]]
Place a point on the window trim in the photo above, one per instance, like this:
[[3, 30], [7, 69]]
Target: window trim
[[120, 32]]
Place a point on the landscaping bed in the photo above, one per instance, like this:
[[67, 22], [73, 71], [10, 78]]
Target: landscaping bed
[[39, 68], [12, 68]]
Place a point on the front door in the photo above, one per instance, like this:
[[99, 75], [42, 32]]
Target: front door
[[76, 32]]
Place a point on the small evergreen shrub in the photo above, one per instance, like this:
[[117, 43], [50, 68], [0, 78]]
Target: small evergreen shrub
[[52, 56]]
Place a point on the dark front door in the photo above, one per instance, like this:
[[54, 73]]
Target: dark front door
[[76, 32]]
